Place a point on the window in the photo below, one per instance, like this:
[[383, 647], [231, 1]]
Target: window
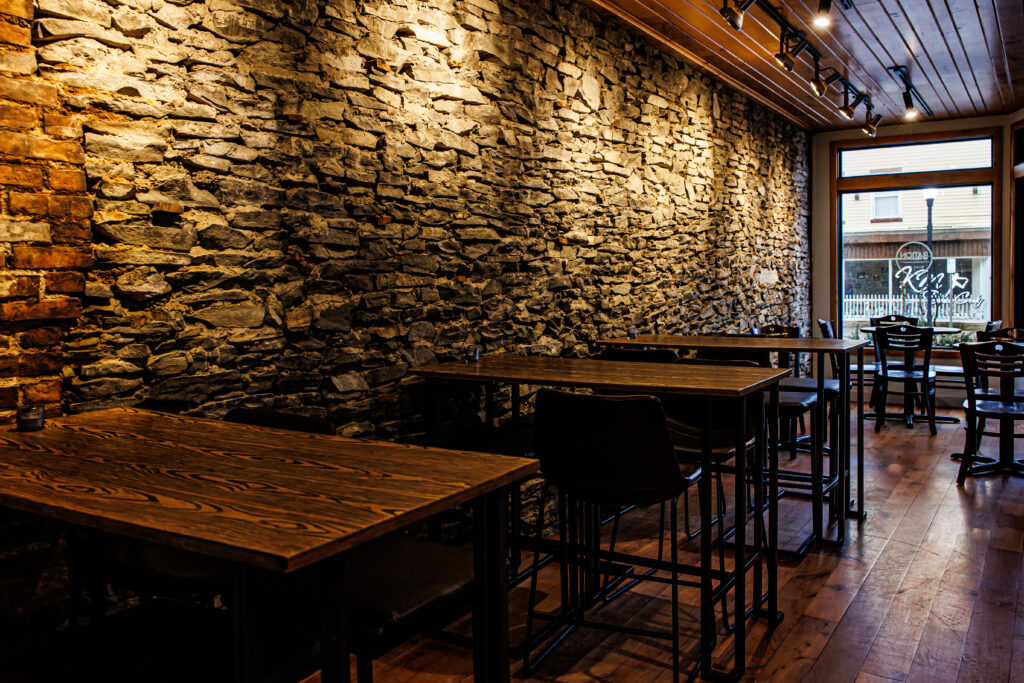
[[886, 207], [917, 232]]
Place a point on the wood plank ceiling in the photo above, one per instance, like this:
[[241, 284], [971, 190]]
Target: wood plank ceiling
[[965, 57]]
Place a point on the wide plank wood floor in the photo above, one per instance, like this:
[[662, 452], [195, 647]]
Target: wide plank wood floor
[[927, 589]]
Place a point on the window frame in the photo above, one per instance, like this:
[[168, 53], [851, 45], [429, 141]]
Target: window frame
[[914, 180]]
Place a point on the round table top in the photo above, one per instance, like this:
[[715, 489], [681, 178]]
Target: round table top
[[936, 330]]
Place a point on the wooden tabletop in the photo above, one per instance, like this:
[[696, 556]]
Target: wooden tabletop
[[666, 378], [270, 498], [739, 341]]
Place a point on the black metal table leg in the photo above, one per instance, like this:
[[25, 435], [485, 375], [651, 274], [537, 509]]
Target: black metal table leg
[[774, 615], [490, 606], [740, 568], [707, 614], [335, 667], [759, 468], [858, 513], [433, 411]]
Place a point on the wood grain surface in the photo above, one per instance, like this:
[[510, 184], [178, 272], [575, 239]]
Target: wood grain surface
[[271, 498], [662, 378], [693, 341]]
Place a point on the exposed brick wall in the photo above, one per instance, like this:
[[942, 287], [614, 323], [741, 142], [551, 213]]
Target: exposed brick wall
[[44, 248], [44, 221]]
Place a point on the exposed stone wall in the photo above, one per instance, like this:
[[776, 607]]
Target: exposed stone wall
[[295, 201]]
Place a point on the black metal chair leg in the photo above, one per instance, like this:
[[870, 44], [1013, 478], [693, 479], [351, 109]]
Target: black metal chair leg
[[364, 669]]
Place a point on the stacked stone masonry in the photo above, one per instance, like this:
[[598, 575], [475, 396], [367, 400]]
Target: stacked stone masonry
[[289, 203], [296, 201]]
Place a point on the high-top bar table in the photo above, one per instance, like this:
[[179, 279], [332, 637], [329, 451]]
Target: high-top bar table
[[730, 384], [264, 499], [813, 345]]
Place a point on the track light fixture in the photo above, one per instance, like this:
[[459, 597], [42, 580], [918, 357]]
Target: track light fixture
[[846, 111], [734, 13], [913, 104], [791, 44], [870, 126], [822, 19], [821, 83]]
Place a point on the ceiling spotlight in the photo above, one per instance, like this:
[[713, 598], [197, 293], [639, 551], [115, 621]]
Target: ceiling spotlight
[[913, 104], [910, 111], [870, 127], [820, 84], [734, 14], [822, 19], [848, 107], [791, 44]]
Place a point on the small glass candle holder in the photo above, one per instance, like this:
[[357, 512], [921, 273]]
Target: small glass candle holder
[[30, 418], [473, 355], [631, 333]]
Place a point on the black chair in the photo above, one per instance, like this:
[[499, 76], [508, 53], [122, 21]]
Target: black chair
[[1010, 334], [992, 369], [917, 379], [613, 452], [952, 376], [893, 319]]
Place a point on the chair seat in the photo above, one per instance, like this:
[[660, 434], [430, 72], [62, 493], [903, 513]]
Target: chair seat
[[791, 384], [997, 408], [795, 402], [686, 441], [914, 374], [396, 587], [690, 471]]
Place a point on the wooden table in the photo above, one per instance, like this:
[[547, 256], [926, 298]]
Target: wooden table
[[264, 498], [729, 384], [813, 345]]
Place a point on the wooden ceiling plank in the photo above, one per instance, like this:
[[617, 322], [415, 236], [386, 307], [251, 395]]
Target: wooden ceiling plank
[[988, 28], [922, 20], [884, 31], [1010, 20], [833, 48]]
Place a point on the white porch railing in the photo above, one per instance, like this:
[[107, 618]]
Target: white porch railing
[[873, 306]]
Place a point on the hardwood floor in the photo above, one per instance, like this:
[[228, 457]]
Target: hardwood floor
[[927, 589]]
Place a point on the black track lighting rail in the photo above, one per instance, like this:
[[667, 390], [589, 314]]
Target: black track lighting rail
[[909, 91]]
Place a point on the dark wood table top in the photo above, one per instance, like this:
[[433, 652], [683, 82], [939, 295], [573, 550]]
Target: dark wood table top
[[739, 341], [666, 378], [270, 498]]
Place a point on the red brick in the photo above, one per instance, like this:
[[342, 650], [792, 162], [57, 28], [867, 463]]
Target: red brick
[[67, 180], [25, 90], [23, 176], [17, 116], [18, 286], [40, 336], [8, 397], [65, 282], [35, 147], [42, 392], [40, 310], [70, 233], [15, 35], [50, 257], [59, 206], [17, 8], [38, 364], [61, 126]]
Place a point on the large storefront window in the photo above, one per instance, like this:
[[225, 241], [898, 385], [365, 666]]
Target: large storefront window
[[913, 249]]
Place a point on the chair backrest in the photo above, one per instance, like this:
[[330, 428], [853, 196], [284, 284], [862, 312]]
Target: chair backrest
[[992, 364], [828, 331], [907, 340], [893, 319], [639, 355], [787, 331], [993, 325], [266, 417], [1011, 334], [608, 450]]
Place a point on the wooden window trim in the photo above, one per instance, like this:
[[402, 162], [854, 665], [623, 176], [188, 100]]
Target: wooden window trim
[[898, 181]]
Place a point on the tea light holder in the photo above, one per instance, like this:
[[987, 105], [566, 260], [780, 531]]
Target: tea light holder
[[30, 418]]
